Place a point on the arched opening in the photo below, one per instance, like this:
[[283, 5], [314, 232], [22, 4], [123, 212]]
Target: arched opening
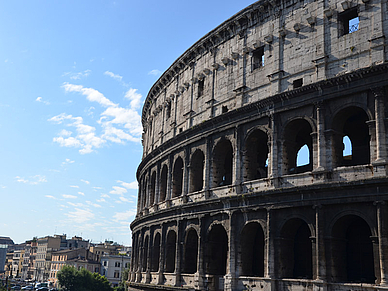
[[297, 134], [163, 184], [152, 190], [252, 245], [256, 156], [155, 253], [196, 171], [222, 166], [347, 145], [190, 252], [170, 252], [295, 254], [352, 251], [350, 128], [145, 253], [216, 251], [303, 156], [177, 178]]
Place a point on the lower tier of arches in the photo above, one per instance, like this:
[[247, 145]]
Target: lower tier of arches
[[321, 241]]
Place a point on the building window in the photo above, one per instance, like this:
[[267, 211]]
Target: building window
[[297, 83], [117, 264], [348, 21], [116, 274], [258, 58], [201, 87], [126, 265], [104, 263]]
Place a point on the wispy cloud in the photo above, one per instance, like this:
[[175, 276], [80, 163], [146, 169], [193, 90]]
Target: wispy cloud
[[74, 186], [50, 196], [124, 216], [80, 216], [69, 196], [40, 99], [118, 190], [154, 72], [132, 185], [67, 161], [114, 76], [116, 124], [78, 75], [34, 180], [85, 181]]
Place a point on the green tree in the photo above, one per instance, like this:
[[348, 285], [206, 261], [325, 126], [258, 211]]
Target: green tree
[[124, 278], [83, 280]]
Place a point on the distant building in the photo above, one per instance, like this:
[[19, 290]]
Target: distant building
[[47, 245], [29, 269], [17, 263], [78, 258], [112, 267]]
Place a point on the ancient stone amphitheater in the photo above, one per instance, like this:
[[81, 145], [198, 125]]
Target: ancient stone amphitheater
[[226, 201]]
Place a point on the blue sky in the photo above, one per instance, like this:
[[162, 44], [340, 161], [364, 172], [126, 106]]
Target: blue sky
[[73, 77]]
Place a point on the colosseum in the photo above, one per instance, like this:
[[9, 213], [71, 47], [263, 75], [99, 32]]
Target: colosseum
[[265, 155]]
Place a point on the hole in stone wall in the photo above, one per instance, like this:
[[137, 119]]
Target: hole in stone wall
[[170, 252], [196, 171], [190, 252], [155, 254], [222, 165], [163, 183], [297, 83], [177, 178], [225, 109], [256, 156]]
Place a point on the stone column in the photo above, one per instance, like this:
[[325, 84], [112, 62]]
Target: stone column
[[208, 179], [381, 152], [157, 184], [161, 256], [169, 180], [237, 165], [178, 254], [382, 242], [273, 158], [185, 182], [140, 258], [320, 262], [199, 275], [269, 247], [320, 138], [231, 262], [148, 266]]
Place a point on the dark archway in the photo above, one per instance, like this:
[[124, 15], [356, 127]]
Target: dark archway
[[351, 122], [163, 184], [256, 155], [222, 166], [170, 252], [145, 253], [252, 245], [296, 135], [155, 253], [190, 252], [295, 254], [352, 251], [153, 188], [177, 178], [216, 251], [196, 171]]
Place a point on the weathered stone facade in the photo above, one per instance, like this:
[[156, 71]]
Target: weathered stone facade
[[223, 203]]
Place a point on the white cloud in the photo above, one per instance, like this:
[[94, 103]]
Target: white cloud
[[81, 193], [114, 76], [105, 195], [132, 185], [50, 196], [124, 216], [154, 72], [40, 99], [85, 181], [93, 204], [118, 190], [69, 196], [67, 161], [117, 124], [123, 199], [101, 200], [33, 180], [77, 76], [80, 216], [74, 186], [134, 97]]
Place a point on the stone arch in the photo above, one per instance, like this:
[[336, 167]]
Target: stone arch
[[216, 250], [190, 252], [155, 253], [170, 252], [177, 178], [196, 171], [255, 155], [152, 188], [163, 183], [222, 163], [297, 133], [252, 246], [351, 121], [295, 250], [145, 253], [352, 250]]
